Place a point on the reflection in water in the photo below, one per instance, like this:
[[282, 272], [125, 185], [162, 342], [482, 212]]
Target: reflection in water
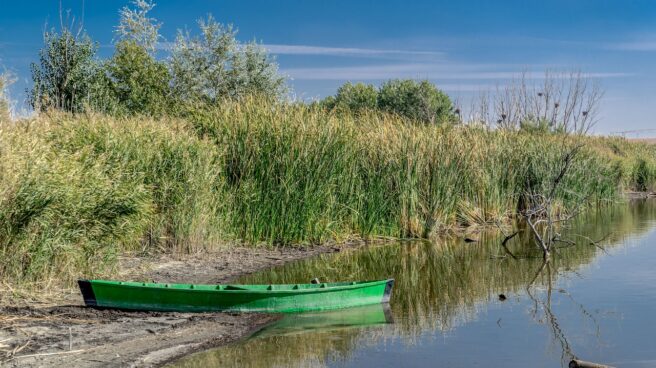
[[440, 288], [300, 323]]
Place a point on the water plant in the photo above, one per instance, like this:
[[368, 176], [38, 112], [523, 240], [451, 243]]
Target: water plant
[[78, 190]]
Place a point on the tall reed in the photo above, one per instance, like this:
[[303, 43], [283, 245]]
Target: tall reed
[[75, 191]]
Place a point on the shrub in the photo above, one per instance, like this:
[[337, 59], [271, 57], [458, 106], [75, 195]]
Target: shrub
[[67, 77], [421, 101], [356, 97], [139, 82], [215, 66]]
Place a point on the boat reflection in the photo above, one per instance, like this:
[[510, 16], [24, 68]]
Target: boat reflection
[[349, 318]]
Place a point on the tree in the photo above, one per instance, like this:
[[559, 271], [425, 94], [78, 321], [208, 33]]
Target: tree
[[67, 77], [254, 73], [215, 65], [356, 97], [136, 26], [421, 101], [565, 102], [139, 82]]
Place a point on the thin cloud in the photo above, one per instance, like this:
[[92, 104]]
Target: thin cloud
[[454, 87], [345, 51], [307, 50], [647, 45], [424, 71]]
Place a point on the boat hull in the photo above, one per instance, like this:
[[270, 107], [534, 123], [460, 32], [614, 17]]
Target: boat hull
[[245, 298]]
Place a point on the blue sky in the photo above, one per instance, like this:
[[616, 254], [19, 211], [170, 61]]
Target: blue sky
[[462, 46]]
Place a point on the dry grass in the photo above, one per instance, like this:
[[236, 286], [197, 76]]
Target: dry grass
[[643, 140]]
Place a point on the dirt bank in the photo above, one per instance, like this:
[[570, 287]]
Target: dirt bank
[[60, 331]]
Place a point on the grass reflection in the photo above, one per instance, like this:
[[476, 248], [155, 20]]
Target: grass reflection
[[438, 286]]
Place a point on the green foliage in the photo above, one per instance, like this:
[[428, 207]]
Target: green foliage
[[328, 103], [60, 216], [67, 77], [297, 174], [204, 69], [356, 97], [139, 82], [215, 66], [644, 175], [421, 101], [77, 191]]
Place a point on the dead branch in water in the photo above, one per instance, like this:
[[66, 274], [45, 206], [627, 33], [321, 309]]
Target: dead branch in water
[[576, 363]]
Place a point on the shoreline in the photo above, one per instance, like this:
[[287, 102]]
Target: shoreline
[[60, 331], [63, 332]]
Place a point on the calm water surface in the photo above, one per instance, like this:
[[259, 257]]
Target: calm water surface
[[589, 303]]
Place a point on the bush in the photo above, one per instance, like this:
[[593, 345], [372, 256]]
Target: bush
[[139, 82], [215, 66], [67, 77], [421, 101], [356, 97]]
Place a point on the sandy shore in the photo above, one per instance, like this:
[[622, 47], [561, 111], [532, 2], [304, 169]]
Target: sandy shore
[[62, 332]]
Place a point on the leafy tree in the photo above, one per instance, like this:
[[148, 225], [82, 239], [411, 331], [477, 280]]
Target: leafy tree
[[254, 73], [356, 97], [67, 77], [421, 101], [139, 82], [215, 65], [135, 25], [327, 103]]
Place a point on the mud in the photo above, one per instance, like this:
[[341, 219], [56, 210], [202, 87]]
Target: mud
[[59, 331]]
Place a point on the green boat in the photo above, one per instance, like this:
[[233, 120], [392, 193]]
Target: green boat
[[288, 298]]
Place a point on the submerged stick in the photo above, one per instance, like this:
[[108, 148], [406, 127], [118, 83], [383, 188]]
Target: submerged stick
[[575, 363]]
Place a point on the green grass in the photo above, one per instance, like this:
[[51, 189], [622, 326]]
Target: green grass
[[77, 191]]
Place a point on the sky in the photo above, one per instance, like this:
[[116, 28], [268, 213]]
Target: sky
[[464, 47]]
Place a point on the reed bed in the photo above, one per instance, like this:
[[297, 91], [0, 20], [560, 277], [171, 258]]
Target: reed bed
[[75, 191], [438, 286]]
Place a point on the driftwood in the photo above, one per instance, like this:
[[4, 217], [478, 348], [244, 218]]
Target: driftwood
[[575, 363]]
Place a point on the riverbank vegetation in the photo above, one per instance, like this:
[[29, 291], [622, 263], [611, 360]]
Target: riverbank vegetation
[[438, 287], [78, 190], [140, 154]]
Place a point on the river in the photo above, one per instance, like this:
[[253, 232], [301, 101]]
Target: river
[[466, 304]]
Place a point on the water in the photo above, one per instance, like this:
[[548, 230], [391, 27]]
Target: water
[[592, 304]]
